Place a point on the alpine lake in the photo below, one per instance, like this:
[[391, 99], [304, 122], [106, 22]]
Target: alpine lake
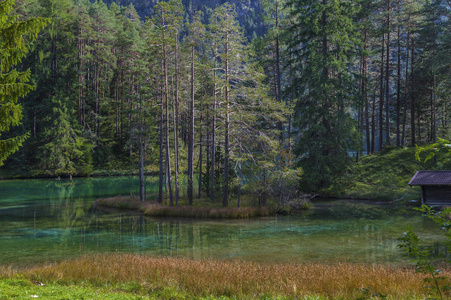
[[49, 220]]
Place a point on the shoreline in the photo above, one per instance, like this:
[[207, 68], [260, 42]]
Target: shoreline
[[96, 175]]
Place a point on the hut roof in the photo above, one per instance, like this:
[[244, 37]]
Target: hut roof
[[431, 178]]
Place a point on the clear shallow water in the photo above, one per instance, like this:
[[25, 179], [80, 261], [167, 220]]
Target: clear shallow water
[[47, 220]]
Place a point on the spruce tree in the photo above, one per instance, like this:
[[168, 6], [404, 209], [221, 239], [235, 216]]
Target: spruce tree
[[323, 46], [13, 83], [64, 150]]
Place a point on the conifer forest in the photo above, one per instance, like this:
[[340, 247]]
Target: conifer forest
[[235, 95]]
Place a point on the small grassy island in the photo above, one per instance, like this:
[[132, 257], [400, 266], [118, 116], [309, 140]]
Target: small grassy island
[[153, 209]]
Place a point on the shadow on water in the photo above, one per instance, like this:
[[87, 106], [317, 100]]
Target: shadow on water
[[43, 220]]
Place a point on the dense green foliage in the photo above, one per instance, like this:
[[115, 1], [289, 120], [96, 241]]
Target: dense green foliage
[[210, 93], [14, 84], [64, 151], [249, 12]]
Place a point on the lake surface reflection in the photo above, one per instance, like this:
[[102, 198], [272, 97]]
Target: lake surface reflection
[[47, 220]]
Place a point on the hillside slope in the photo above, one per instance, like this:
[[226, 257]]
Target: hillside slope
[[248, 11], [385, 176]]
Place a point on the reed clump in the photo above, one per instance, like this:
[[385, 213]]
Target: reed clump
[[152, 209], [120, 202], [242, 280]]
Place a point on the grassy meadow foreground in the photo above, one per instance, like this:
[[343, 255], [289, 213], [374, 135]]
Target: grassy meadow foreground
[[126, 276]]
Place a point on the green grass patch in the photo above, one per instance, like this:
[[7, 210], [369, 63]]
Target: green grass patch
[[27, 289]]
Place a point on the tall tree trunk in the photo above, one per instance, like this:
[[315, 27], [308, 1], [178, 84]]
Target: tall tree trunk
[[166, 96], [360, 110], [365, 94], [406, 87], [80, 75], [121, 121], [279, 75], [161, 167], [200, 151], [387, 79], [419, 124], [208, 157], [434, 92], [398, 92], [176, 126], [412, 97], [276, 93], [213, 133], [225, 192], [434, 103], [191, 133], [290, 116], [325, 74], [239, 177], [116, 96], [373, 124], [381, 98], [130, 114], [142, 186]]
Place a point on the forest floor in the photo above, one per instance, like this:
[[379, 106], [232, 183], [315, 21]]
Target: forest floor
[[126, 276], [384, 176]]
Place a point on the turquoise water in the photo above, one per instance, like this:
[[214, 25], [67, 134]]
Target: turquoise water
[[48, 220]]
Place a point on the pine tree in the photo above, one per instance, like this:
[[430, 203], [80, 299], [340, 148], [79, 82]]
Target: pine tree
[[245, 104], [13, 83], [230, 46], [133, 85]]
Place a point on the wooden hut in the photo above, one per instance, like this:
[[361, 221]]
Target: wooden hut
[[435, 186]]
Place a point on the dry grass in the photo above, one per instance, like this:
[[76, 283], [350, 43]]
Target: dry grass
[[153, 209], [121, 202], [235, 279]]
